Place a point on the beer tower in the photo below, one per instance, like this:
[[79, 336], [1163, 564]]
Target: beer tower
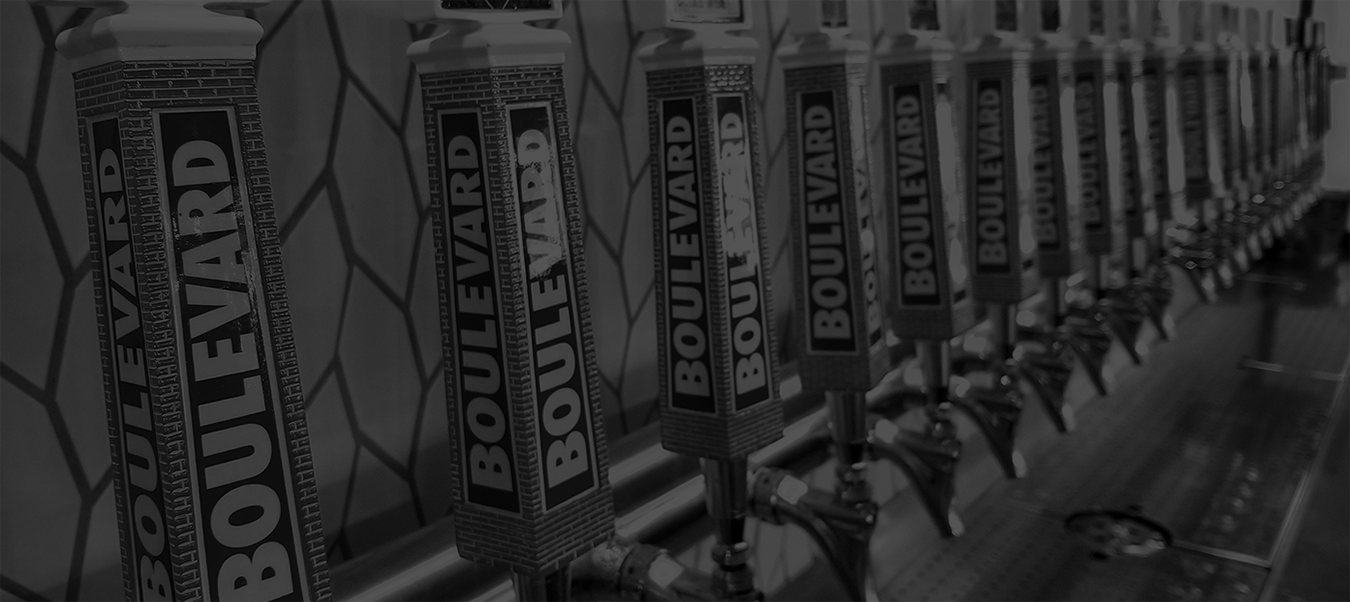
[[214, 484], [529, 471], [718, 372]]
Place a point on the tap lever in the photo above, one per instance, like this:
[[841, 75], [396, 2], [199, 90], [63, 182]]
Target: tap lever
[[841, 530], [928, 458], [996, 410]]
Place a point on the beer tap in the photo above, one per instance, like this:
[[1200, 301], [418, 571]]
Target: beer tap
[[1197, 265], [529, 471], [919, 73], [1136, 184], [1048, 350], [1257, 94], [1232, 225], [840, 346], [1045, 355], [1279, 188], [999, 216], [1289, 103], [1203, 110], [718, 369], [1145, 293], [1097, 130], [1321, 58], [210, 460], [1245, 216]]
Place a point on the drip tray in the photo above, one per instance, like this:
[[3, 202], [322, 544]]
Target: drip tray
[[1016, 552], [1111, 533]]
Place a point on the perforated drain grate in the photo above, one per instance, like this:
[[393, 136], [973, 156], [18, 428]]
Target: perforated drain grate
[[1112, 533]]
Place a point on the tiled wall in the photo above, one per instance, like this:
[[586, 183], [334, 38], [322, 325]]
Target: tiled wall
[[340, 105]]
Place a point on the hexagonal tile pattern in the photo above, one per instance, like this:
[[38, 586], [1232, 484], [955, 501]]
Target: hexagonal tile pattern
[[298, 56], [38, 537], [28, 324], [377, 358], [425, 300], [377, 204], [374, 40], [19, 78], [65, 195], [75, 397], [380, 500], [101, 577], [343, 121], [332, 441], [432, 452], [316, 285]]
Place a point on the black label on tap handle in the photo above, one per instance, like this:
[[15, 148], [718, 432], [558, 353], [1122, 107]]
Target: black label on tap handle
[[485, 428], [688, 343]]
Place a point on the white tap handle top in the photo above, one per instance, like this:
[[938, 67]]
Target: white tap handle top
[[1280, 34], [1087, 20], [159, 30], [994, 24], [118, 6], [1157, 23], [692, 17], [1252, 29], [1196, 24], [1122, 19], [698, 33], [482, 11], [1225, 28], [808, 18], [929, 19], [1044, 19]]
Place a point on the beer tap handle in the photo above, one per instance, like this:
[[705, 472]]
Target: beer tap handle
[[529, 469], [212, 476], [718, 389]]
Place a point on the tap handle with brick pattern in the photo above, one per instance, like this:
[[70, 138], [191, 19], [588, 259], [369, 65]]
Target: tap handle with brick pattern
[[529, 469]]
